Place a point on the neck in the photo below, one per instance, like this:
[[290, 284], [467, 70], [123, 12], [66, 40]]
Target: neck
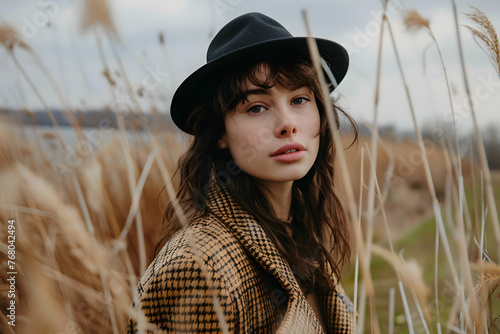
[[281, 198]]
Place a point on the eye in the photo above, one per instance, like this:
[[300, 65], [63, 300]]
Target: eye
[[300, 100], [256, 109]]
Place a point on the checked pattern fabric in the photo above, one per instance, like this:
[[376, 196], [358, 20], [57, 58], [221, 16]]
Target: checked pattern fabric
[[223, 274]]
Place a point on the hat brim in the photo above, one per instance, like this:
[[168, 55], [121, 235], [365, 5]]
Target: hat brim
[[202, 84]]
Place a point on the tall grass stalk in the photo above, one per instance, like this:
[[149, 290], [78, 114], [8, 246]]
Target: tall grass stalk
[[479, 141], [397, 265], [406, 308], [340, 156], [128, 84], [389, 173], [356, 284], [39, 96], [436, 283], [409, 274], [11, 40], [64, 102], [83, 204], [483, 221], [413, 20], [461, 244], [449, 194], [423, 310], [373, 175], [137, 195], [109, 301], [360, 210], [133, 212], [131, 172], [392, 299], [97, 12], [435, 201], [475, 196]]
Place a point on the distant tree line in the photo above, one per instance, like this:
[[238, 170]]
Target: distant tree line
[[90, 118], [489, 134], [491, 140]]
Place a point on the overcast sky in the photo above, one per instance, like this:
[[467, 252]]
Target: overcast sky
[[71, 55]]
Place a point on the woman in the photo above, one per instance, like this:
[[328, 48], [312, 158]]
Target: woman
[[258, 237]]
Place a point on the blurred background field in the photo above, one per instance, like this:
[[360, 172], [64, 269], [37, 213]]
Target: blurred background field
[[87, 155]]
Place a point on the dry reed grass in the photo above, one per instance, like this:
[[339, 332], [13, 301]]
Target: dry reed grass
[[10, 38], [68, 277], [470, 313], [98, 13], [413, 20], [486, 35], [411, 275]]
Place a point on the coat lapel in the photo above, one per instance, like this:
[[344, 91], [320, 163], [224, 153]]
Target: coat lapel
[[339, 311], [300, 317]]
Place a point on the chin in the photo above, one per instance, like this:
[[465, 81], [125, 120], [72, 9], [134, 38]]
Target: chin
[[292, 177]]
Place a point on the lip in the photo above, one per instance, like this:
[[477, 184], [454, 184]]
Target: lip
[[280, 155]]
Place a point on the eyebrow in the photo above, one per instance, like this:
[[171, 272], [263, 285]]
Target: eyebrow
[[257, 91]]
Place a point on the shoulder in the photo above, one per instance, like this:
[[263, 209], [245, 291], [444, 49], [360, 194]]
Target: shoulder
[[206, 246], [183, 296], [188, 287]]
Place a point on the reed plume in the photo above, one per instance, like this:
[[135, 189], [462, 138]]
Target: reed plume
[[413, 20], [488, 284], [97, 13], [486, 35], [411, 275], [10, 38]]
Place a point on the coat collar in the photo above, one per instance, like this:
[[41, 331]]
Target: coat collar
[[252, 236], [300, 317]]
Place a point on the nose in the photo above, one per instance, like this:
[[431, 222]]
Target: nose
[[285, 123]]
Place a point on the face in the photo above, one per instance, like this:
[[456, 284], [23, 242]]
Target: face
[[274, 135]]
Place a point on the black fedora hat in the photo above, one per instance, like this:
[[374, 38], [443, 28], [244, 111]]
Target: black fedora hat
[[249, 37]]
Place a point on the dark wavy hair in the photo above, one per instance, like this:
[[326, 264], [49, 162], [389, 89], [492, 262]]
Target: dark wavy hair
[[320, 243]]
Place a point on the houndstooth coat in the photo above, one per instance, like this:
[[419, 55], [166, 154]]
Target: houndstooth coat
[[223, 274]]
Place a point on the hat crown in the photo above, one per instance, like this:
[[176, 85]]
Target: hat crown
[[245, 31], [245, 40]]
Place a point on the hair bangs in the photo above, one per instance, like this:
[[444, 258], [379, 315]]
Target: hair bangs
[[290, 75]]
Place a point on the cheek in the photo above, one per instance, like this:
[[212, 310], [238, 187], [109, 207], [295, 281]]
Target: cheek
[[247, 134], [235, 136], [315, 124], [238, 143], [313, 118], [315, 130], [247, 142]]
